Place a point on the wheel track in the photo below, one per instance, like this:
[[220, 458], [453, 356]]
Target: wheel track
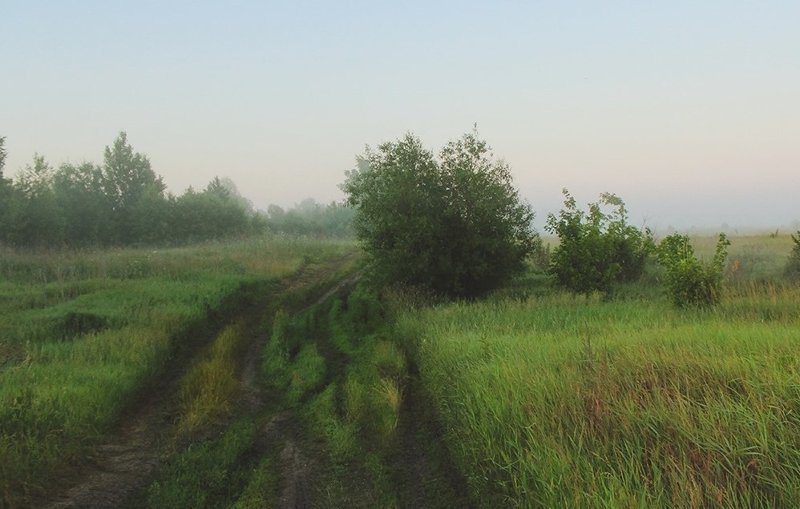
[[119, 469]]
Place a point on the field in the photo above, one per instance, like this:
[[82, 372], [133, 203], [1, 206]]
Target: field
[[84, 334], [267, 373], [563, 401]]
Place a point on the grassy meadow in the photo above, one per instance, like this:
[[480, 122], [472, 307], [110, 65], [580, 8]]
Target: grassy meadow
[[83, 333], [555, 400], [529, 398]]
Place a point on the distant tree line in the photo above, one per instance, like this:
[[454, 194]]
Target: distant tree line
[[311, 219], [123, 202]]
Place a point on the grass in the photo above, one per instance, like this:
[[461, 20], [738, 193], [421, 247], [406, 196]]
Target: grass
[[563, 401], [208, 391], [261, 489], [83, 333], [230, 460], [333, 365], [545, 399], [208, 473]]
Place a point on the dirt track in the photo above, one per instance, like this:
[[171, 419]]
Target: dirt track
[[119, 470]]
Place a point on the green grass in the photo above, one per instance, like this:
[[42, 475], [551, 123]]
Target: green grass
[[83, 333], [208, 473], [545, 399], [261, 489], [208, 391], [751, 258], [562, 401], [334, 366]]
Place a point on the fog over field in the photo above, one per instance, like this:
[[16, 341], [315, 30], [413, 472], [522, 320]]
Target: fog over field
[[688, 111]]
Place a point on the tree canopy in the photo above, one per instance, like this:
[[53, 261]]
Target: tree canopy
[[598, 249], [120, 202], [453, 223]]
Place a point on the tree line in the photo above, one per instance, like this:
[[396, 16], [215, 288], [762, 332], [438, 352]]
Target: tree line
[[123, 202], [453, 224]]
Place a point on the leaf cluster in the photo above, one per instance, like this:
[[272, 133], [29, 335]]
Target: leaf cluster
[[792, 270], [454, 223], [597, 249], [690, 282], [119, 202]]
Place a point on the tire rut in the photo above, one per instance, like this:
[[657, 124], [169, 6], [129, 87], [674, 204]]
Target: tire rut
[[119, 469], [280, 431]]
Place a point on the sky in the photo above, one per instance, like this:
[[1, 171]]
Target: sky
[[690, 111]]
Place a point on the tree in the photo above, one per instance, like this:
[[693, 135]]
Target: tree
[[313, 219], [35, 217], [597, 249], [134, 192], [128, 174], [454, 224], [217, 212], [2, 156], [226, 189], [5, 193], [792, 269], [84, 204], [691, 282]]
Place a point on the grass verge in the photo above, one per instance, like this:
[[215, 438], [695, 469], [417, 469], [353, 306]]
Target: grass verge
[[571, 401]]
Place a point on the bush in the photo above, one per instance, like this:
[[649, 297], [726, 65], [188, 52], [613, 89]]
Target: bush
[[598, 249], [691, 282], [792, 270], [453, 224]]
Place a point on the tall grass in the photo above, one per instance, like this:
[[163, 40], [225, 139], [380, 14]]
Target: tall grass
[[333, 365], [562, 401], [82, 333], [209, 389], [207, 473]]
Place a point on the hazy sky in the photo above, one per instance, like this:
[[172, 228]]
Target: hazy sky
[[688, 110]]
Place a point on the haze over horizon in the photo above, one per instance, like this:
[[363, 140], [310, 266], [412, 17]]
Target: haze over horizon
[[689, 112]]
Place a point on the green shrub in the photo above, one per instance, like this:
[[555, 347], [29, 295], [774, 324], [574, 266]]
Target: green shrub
[[453, 224], [597, 249], [691, 282], [792, 270]]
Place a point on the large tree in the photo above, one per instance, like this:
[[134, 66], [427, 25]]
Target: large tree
[[86, 208], [452, 223], [135, 193]]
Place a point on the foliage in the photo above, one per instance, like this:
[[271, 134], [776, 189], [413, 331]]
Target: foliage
[[597, 249], [83, 204], [3, 154], [792, 270], [5, 193], [691, 282], [454, 224], [121, 202], [34, 217], [312, 219], [207, 215]]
